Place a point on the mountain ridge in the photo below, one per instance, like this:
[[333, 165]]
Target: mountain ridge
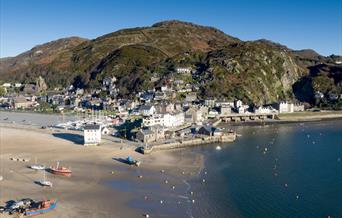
[[133, 55]]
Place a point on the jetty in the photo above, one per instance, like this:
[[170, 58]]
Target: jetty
[[189, 142], [250, 116]]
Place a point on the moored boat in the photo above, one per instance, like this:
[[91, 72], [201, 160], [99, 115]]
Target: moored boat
[[60, 170], [41, 207]]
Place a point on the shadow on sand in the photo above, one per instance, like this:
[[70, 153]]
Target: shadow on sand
[[75, 138], [121, 160]]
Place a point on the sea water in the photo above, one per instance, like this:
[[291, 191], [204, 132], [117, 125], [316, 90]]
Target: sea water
[[287, 170]]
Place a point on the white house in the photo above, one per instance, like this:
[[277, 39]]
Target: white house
[[237, 103], [18, 85], [156, 119], [174, 119], [147, 110], [92, 134], [242, 109], [285, 107], [264, 110], [184, 70], [7, 85], [105, 131]]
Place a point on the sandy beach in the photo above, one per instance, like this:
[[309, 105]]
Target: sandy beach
[[101, 185]]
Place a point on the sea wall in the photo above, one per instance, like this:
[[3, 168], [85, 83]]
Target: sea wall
[[227, 137]]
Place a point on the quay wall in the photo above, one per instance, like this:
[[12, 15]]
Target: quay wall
[[229, 137]]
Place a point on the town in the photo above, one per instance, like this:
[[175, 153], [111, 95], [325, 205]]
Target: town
[[157, 116]]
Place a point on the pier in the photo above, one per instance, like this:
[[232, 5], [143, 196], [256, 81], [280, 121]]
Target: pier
[[182, 143], [246, 117]]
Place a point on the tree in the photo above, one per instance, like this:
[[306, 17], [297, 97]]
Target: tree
[[3, 91]]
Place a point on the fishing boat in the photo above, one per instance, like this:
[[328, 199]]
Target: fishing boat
[[41, 207], [131, 161], [60, 170], [45, 182], [36, 166]]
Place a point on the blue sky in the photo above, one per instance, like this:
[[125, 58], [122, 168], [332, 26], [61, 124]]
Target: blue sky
[[298, 24]]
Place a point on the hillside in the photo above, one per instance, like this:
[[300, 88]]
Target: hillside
[[226, 67]]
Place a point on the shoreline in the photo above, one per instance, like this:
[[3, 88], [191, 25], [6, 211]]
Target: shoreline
[[96, 171], [290, 119]]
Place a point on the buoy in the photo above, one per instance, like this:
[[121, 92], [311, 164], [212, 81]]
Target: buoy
[[205, 172], [145, 197], [285, 185], [297, 196], [166, 181], [338, 159], [183, 172], [112, 172], [191, 193], [193, 201], [203, 180], [162, 171], [140, 176], [173, 187], [147, 215]]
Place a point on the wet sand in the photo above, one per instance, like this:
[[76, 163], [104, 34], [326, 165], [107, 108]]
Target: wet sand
[[101, 184]]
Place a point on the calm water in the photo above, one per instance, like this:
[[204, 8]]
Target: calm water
[[300, 174]]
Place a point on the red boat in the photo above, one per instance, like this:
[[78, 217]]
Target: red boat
[[60, 170]]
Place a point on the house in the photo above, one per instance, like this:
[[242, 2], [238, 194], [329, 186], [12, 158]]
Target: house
[[147, 110], [194, 115], [174, 119], [285, 107], [22, 102], [30, 89], [155, 119], [186, 70], [264, 110], [206, 130], [17, 85], [333, 97], [92, 134], [146, 96], [319, 95], [105, 131], [209, 102], [6, 85], [242, 109], [165, 107], [225, 110], [213, 113], [237, 103], [298, 108], [190, 97], [151, 134]]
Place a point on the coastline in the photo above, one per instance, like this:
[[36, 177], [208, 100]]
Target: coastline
[[300, 117], [99, 177]]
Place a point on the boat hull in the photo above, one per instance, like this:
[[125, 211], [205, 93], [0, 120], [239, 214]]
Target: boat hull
[[36, 212]]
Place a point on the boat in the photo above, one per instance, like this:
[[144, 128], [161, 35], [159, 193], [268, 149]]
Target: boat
[[218, 148], [45, 182], [131, 161], [60, 170], [41, 207], [36, 166]]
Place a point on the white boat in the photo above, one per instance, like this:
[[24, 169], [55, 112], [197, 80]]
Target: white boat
[[1, 178], [218, 148], [36, 166], [45, 182]]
